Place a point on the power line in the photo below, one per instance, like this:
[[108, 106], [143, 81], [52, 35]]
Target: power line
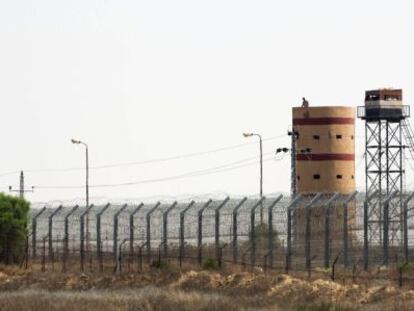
[[157, 160], [212, 170], [179, 176], [9, 173]]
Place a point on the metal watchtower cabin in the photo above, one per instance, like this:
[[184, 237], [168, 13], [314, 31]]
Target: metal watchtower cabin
[[385, 130]]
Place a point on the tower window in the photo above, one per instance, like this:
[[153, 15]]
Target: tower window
[[338, 176], [316, 176], [298, 177], [316, 137], [338, 136], [352, 136], [352, 176]]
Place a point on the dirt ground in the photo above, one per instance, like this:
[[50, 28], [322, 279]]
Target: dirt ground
[[173, 289]]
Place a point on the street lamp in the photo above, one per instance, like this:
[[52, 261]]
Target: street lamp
[[261, 168], [78, 142], [293, 151]]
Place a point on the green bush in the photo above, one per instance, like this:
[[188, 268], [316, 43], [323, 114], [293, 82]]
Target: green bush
[[210, 264], [13, 228]]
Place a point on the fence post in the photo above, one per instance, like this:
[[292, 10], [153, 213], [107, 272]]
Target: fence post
[[235, 211], [365, 235], [327, 231], [139, 262], [50, 233], [308, 231], [354, 269], [44, 254], [366, 246], [243, 257], [99, 237], [400, 273], [253, 231], [148, 220], [265, 260], [200, 231], [115, 238], [82, 235], [66, 238], [165, 227], [217, 225], [270, 241], [386, 226], [385, 230], [405, 227], [26, 252], [345, 228], [182, 215], [310, 266], [333, 267], [118, 254], [289, 210], [132, 228], [220, 255], [34, 231]]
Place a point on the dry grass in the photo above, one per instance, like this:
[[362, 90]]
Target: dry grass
[[172, 289], [146, 298]]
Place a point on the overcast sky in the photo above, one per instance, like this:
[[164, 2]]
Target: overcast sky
[[143, 80]]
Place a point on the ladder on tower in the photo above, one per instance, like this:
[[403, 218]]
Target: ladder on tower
[[409, 136]]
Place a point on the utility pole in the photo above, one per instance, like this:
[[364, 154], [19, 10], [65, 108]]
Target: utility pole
[[294, 134], [293, 152], [21, 189]]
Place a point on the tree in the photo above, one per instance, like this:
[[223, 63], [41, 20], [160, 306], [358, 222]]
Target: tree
[[13, 228]]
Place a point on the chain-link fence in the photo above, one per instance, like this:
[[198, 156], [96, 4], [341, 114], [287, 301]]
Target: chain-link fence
[[278, 232]]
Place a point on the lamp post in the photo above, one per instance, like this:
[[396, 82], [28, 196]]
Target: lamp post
[[78, 142], [261, 168]]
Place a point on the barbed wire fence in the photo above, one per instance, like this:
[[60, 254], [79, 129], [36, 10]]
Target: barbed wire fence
[[295, 234]]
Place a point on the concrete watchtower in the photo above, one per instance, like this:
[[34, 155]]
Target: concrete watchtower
[[329, 133]]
